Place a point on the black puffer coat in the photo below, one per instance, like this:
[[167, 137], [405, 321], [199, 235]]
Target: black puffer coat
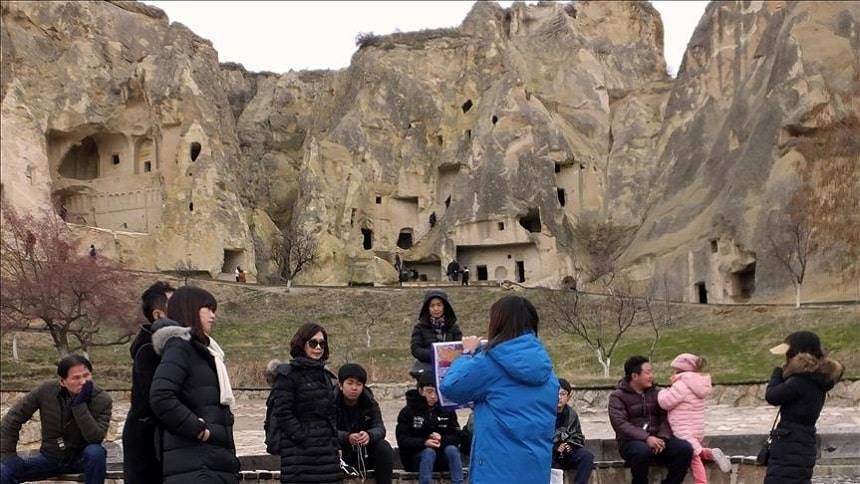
[[185, 397], [416, 421], [140, 462], [425, 333], [304, 407], [799, 389]]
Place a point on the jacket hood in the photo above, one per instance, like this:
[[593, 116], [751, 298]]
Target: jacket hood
[[165, 329], [824, 370], [424, 314], [698, 383], [524, 359], [144, 337], [415, 400]]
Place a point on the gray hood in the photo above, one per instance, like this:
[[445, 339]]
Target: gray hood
[[164, 329]]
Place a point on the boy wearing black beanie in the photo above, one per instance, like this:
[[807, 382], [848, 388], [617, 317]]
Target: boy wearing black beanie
[[360, 430]]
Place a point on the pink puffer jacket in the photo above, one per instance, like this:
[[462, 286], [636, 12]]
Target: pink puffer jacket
[[685, 403]]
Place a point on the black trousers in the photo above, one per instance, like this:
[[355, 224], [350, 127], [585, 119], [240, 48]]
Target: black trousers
[[379, 457], [675, 457], [140, 464]]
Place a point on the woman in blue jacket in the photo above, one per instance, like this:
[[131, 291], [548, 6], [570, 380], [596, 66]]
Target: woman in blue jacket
[[515, 392]]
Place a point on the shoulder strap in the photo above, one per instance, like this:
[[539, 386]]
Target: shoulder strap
[[776, 419]]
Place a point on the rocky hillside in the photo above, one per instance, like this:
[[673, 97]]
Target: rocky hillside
[[485, 143]]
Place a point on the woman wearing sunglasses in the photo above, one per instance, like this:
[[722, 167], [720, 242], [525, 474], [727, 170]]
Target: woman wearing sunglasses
[[304, 408]]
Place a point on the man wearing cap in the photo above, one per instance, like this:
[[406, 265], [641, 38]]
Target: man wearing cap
[[569, 452], [360, 430]]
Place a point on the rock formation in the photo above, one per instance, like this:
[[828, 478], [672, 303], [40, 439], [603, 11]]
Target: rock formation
[[482, 143]]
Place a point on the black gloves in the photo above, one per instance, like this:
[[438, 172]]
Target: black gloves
[[84, 395]]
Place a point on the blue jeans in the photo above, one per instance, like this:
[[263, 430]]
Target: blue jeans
[[450, 455], [92, 462], [580, 460]]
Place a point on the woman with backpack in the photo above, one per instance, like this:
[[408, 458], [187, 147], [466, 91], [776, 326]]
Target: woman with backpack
[[304, 409]]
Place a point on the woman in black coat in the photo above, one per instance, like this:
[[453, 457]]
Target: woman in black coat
[[191, 394], [304, 395], [799, 388], [437, 322]]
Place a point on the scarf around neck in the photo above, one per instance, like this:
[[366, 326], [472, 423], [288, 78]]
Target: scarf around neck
[[226, 391]]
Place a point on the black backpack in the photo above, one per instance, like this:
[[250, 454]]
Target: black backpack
[[270, 425]]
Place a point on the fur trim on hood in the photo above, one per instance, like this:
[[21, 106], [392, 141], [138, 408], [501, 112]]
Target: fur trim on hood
[[830, 371], [164, 333]]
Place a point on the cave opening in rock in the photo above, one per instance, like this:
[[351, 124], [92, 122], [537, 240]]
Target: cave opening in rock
[[147, 166], [439, 140], [715, 246], [191, 207], [82, 161], [701, 293], [432, 219], [531, 220], [115, 159], [367, 239], [404, 239], [378, 200], [494, 119], [743, 283], [521, 271], [448, 201], [467, 105], [469, 135], [482, 273], [501, 226], [558, 167], [561, 196], [195, 150]]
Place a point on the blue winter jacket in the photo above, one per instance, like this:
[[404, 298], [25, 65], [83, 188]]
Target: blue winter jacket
[[515, 393]]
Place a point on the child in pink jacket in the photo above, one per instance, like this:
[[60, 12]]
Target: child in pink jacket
[[685, 403]]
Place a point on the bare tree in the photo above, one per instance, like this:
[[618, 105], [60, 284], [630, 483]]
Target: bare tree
[[599, 321], [658, 316], [47, 281], [792, 238], [371, 310], [184, 270], [602, 240], [294, 251]]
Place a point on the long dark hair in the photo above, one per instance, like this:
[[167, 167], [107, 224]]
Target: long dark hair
[[303, 334], [184, 308], [511, 317]]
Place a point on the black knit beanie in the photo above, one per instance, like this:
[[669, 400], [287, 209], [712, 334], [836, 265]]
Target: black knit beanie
[[352, 370]]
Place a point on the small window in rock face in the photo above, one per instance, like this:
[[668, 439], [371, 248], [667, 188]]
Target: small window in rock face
[[367, 239], [561, 196], [494, 119], [147, 166], [191, 207], [558, 167], [195, 150], [581, 166], [439, 140], [448, 201], [467, 105], [501, 226], [432, 219], [378, 200], [469, 134], [715, 247], [115, 159]]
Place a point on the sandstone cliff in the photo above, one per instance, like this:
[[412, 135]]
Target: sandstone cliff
[[481, 143]]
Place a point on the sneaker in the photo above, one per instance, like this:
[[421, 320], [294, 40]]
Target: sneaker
[[722, 461]]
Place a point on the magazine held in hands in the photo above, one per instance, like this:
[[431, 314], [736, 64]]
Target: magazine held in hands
[[444, 354]]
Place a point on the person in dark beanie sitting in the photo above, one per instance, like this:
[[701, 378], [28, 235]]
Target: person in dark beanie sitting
[[74, 414], [428, 435], [360, 430], [642, 428], [569, 452]]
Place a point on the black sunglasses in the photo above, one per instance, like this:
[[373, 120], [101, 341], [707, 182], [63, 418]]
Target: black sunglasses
[[316, 343]]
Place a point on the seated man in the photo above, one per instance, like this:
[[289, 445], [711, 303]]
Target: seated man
[[360, 430], [75, 415], [428, 435], [569, 452], [641, 427]]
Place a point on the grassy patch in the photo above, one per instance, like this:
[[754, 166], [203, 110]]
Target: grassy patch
[[256, 325]]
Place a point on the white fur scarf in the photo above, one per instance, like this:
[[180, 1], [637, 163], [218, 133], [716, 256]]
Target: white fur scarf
[[226, 396]]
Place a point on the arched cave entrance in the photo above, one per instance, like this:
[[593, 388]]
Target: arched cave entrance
[[82, 161]]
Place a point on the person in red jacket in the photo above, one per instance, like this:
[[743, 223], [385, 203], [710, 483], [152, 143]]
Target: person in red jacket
[[641, 427]]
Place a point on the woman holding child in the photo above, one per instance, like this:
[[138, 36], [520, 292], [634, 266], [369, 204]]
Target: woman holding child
[[515, 392]]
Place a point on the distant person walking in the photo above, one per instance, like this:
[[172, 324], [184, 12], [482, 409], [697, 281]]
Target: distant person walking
[[191, 393], [798, 387], [304, 406], [515, 394], [685, 403], [465, 276], [437, 322], [453, 270], [141, 464], [92, 251]]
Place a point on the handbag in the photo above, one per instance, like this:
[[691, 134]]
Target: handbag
[[764, 454]]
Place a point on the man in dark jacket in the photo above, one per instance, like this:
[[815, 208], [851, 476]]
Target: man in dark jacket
[[74, 414], [428, 436], [140, 464], [641, 427], [453, 271], [569, 452], [437, 322], [360, 430]]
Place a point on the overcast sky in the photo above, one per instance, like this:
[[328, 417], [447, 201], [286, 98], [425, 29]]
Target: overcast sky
[[279, 36]]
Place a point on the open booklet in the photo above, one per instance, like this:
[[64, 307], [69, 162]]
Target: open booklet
[[444, 354]]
